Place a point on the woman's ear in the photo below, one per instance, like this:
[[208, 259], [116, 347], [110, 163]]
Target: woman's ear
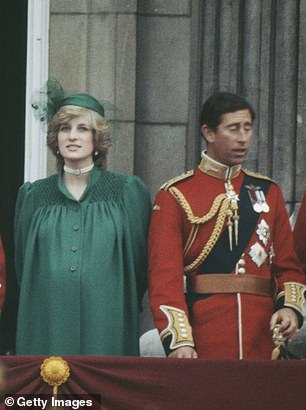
[[208, 134]]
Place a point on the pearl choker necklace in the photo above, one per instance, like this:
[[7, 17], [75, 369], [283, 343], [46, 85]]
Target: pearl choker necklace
[[78, 171]]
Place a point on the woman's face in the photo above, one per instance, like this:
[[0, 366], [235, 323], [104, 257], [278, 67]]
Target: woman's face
[[75, 142]]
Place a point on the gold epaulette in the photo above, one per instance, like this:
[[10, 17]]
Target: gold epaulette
[[173, 181], [256, 175]]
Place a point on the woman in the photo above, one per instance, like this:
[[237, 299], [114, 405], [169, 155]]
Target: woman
[[80, 244]]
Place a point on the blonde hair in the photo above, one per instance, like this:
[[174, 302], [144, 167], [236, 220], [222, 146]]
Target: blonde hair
[[101, 133]]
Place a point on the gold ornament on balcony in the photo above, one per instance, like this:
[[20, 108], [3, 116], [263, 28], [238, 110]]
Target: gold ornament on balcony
[[54, 371]]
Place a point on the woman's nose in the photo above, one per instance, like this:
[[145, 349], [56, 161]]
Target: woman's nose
[[73, 135]]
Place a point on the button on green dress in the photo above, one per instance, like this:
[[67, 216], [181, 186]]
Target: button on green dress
[[81, 265]]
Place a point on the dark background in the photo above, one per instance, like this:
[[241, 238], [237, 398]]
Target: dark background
[[13, 38]]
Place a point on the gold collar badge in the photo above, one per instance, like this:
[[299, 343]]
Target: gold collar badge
[[218, 170]]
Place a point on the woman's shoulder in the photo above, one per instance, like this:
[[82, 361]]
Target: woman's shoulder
[[122, 181], [113, 184], [39, 186], [42, 191]]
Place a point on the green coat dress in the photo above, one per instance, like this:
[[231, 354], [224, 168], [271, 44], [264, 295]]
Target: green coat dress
[[81, 265]]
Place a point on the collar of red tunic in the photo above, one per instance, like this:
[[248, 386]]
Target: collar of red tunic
[[217, 169]]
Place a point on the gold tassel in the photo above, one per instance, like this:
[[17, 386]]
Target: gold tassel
[[232, 213], [229, 224], [236, 221], [275, 353], [278, 339]]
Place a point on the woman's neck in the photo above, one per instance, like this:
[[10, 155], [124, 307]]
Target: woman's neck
[[77, 171], [76, 183]]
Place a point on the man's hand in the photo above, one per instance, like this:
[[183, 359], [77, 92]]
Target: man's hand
[[288, 321], [185, 352]]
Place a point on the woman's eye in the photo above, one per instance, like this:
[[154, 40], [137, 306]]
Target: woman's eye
[[64, 128]]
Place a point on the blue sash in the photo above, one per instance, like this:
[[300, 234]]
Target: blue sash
[[221, 259]]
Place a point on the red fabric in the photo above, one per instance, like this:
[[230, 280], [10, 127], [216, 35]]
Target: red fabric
[[2, 275], [222, 341], [149, 383], [215, 319], [300, 233]]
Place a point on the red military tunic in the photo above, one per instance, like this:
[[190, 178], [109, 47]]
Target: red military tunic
[[185, 225], [2, 275], [300, 233]]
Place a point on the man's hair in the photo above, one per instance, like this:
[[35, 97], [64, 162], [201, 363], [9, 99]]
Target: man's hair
[[221, 103]]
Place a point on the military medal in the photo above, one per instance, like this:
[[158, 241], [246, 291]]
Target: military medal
[[258, 199], [257, 207], [258, 254], [264, 206], [263, 232]]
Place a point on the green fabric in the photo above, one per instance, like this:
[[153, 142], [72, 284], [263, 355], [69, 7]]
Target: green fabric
[[83, 100], [81, 265]]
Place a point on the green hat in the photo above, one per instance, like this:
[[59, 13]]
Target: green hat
[[82, 100], [51, 97]]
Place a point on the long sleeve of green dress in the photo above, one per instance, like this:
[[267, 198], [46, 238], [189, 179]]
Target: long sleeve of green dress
[[81, 265]]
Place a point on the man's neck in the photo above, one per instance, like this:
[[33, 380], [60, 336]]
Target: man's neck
[[217, 169]]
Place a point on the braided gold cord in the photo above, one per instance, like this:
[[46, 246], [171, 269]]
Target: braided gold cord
[[191, 238], [213, 238], [190, 215]]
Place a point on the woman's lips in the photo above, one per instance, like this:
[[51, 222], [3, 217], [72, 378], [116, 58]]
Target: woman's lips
[[73, 147]]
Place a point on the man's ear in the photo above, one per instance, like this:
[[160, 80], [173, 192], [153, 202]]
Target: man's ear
[[208, 134]]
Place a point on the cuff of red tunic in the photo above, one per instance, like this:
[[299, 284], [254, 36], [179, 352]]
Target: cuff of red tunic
[[167, 343], [292, 297], [178, 332]]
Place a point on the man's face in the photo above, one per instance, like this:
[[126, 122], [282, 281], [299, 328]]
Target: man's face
[[230, 142]]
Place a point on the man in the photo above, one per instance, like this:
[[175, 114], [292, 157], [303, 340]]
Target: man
[[300, 233], [227, 231], [2, 276]]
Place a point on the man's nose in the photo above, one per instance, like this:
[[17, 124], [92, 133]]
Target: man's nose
[[243, 135]]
